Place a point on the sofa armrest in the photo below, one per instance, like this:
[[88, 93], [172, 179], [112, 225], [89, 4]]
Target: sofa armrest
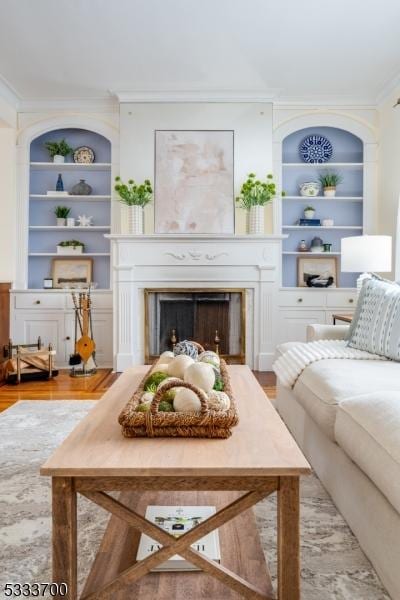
[[326, 332]]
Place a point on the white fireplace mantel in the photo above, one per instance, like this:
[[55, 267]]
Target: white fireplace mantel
[[252, 262]]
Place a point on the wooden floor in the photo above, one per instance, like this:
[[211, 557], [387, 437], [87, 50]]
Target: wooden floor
[[64, 387]]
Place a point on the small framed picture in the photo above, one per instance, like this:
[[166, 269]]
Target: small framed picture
[[71, 271], [320, 271], [47, 283]]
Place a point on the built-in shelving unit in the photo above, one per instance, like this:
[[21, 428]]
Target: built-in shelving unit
[[346, 209], [44, 235]]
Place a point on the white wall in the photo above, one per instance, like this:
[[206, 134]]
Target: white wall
[[7, 204], [389, 163], [252, 123]]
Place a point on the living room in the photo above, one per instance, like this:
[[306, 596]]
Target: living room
[[199, 307]]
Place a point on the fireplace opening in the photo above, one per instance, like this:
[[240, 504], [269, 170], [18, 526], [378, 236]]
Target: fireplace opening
[[213, 317]]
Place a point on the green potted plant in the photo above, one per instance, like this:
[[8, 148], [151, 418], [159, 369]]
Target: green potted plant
[[135, 196], [309, 212], [61, 213], [254, 195], [58, 150], [70, 247], [329, 181]]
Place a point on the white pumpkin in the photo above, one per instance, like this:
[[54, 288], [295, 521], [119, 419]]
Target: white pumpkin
[[201, 375], [186, 401], [166, 357], [160, 368], [177, 366], [218, 400], [168, 380], [147, 398]]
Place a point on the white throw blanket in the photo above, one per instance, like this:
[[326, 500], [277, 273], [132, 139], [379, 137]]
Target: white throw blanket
[[290, 365]]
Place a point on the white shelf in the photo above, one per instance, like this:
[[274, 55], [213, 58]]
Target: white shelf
[[70, 166], [64, 228], [312, 253], [326, 198], [325, 165], [322, 227], [69, 197], [69, 255]]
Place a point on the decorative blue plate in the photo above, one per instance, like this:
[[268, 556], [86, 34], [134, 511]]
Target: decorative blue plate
[[315, 149]]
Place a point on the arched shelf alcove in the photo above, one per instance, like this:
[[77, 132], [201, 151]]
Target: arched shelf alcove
[[38, 234], [351, 210]]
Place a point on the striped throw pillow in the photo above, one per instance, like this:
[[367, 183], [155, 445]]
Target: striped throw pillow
[[376, 323]]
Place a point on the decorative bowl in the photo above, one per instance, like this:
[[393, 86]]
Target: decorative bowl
[[309, 188]]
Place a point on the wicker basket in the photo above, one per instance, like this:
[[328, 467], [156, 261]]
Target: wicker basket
[[206, 423]]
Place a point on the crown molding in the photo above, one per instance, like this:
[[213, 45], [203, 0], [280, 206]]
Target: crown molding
[[388, 89], [40, 105], [331, 101], [8, 92], [125, 96]]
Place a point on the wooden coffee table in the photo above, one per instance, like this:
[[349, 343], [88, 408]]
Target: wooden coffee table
[[259, 458]]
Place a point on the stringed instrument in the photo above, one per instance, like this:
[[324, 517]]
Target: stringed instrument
[[85, 346]]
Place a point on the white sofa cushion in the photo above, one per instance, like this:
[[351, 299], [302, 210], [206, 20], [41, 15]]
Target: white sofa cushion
[[368, 429], [326, 383]]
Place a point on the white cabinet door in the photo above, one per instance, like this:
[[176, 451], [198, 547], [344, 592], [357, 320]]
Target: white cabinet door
[[293, 324], [102, 334], [26, 327]]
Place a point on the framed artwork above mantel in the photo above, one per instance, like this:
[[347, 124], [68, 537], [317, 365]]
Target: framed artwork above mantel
[[193, 191]]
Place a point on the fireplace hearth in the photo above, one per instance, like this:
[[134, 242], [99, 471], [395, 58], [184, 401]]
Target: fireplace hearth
[[213, 317]]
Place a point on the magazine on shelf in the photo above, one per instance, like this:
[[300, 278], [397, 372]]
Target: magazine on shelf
[[178, 520]]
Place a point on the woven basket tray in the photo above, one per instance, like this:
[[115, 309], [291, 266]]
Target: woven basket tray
[[205, 424]]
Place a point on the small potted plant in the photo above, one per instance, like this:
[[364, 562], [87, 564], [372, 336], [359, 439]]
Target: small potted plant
[[70, 247], [58, 150], [135, 197], [309, 212], [61, 213], [254, 195], [329, 181]]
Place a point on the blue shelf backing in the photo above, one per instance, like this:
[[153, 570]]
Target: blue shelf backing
[[347, 148], [41, 210]]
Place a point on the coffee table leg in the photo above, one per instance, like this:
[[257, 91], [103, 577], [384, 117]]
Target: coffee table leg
[[288, 539], [64, 535]]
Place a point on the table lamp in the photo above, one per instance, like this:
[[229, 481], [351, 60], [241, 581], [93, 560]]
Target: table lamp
[[366, 254]]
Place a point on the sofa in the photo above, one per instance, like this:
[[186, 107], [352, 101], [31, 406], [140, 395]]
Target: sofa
[[345, 416]]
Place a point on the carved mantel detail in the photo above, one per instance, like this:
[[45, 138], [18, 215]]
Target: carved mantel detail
[[195, 255]]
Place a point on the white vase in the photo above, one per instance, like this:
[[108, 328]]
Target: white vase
[[309, 214], [58, 159], [330, 192], [135, 220], [60, 222], [69, 250], [70, 222], [256, 220]]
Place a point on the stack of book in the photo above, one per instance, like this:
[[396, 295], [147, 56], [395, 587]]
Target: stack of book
[[177, 520], [310, 222]]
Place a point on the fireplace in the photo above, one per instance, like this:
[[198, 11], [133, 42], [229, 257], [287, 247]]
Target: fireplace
[[213, 317]]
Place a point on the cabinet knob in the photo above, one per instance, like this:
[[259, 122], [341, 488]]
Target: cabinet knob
[[351, 300], [37, 302], [68, 337], [299, 299]]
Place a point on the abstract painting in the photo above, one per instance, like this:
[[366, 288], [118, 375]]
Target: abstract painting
[[71, 272], [194, 182], [317, 266]]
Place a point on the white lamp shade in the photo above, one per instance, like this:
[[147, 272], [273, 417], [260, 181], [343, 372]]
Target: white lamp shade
[[367, 253]]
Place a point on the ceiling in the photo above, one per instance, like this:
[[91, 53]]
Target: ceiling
[[290, 50]]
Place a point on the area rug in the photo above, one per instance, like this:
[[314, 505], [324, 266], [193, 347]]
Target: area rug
[[333, 565]]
